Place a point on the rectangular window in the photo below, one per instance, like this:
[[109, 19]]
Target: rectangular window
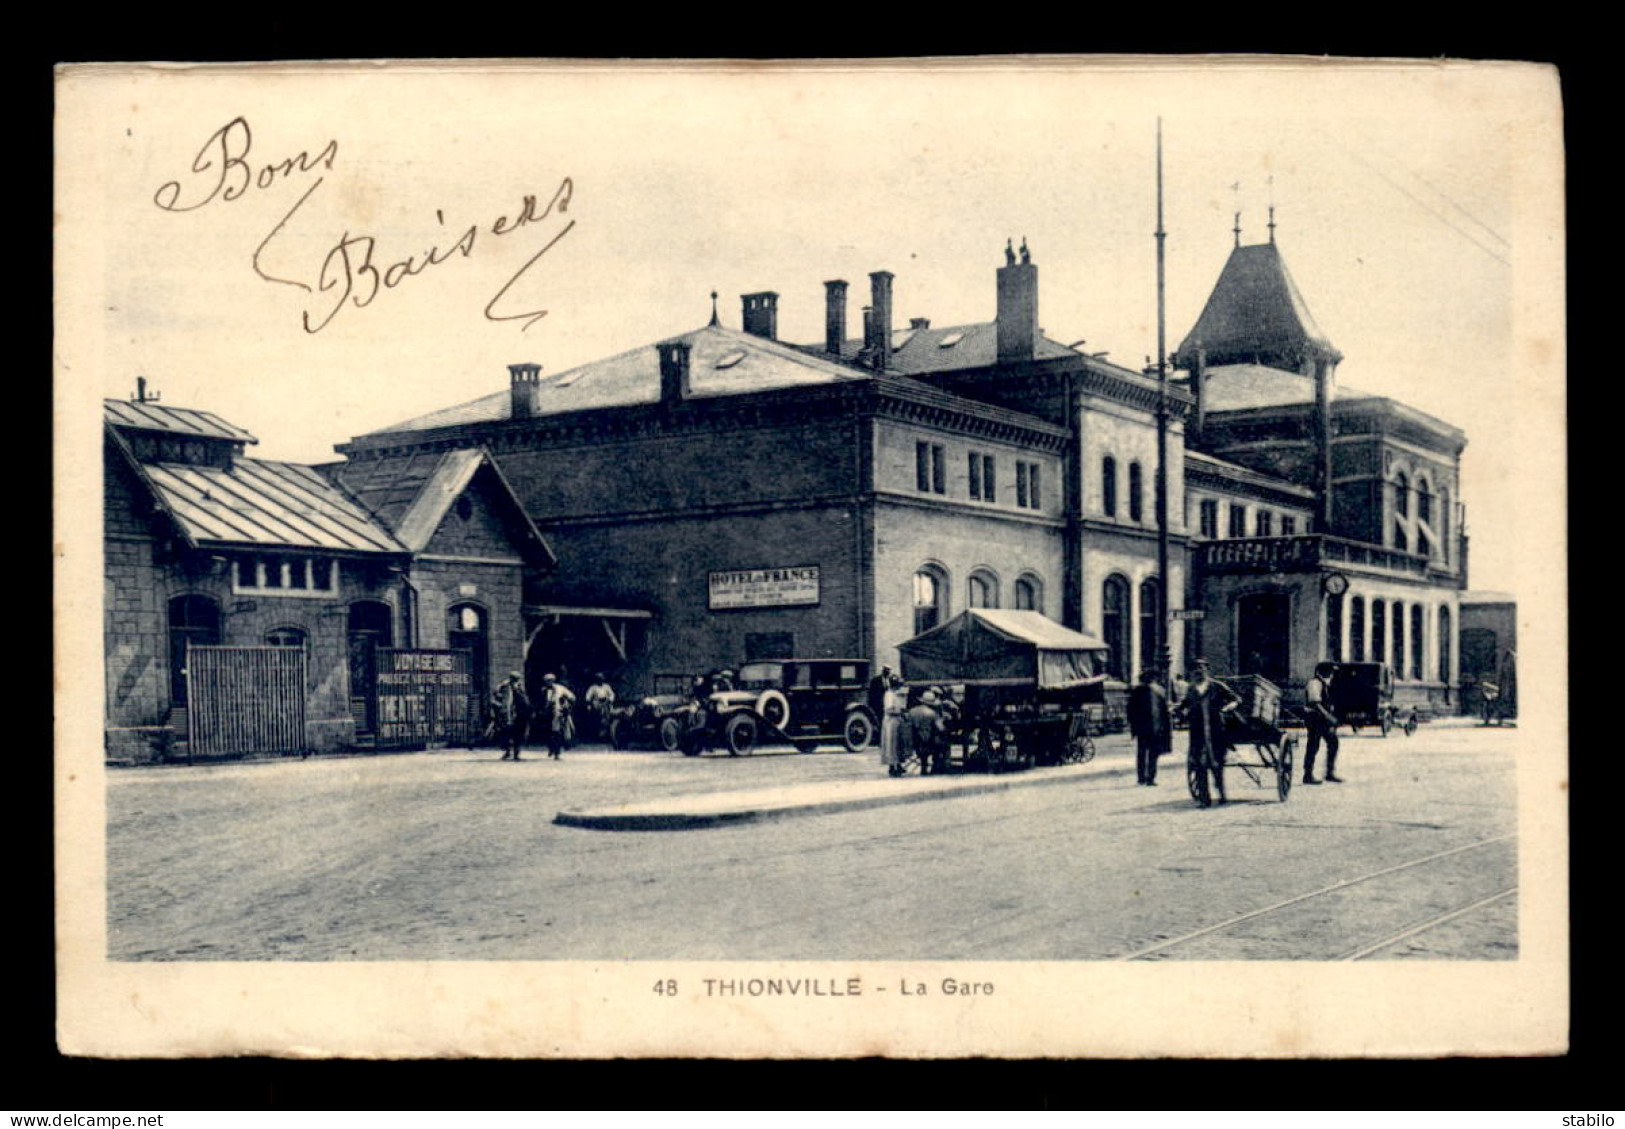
[[1238, 521], [975, 476], [1265, 523], [1033, 495], [922, 466], [939, 477], [1289, 525], [990, 492], [1021, 485], [273, 572], [1210, 519]]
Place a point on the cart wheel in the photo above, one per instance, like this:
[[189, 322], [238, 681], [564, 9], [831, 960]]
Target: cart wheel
[[858, 731], [1196, 781], [671, 735], [1079, 750], [1283, 767], [740, 734]]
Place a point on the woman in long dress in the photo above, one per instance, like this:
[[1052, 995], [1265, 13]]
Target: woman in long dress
[[891, 724]]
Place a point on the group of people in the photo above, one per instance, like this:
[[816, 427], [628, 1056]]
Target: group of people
[[1206, 705], [514, 716], [910, 731]]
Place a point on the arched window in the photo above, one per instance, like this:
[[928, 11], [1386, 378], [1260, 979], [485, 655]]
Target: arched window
[[1402, 494], [1334, 629], [1445, 641], [1357, 629], [1444, 525], [1399, 639], [1136, 500], [1108, 486], [1029, 593], [193, 621], [286, 637], [1424, 501], [984, 589], [468, 629], [1417, 641], [1150, 621], [1114, 625], [1379, 631], [930, 598]]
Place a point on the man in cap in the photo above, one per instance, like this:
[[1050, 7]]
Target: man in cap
[[510, 710], [555, 705], [1207, 704], [925, 732], [1321, 723]]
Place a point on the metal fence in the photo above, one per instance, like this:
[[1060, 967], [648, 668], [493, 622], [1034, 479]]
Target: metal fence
[[245, 700]]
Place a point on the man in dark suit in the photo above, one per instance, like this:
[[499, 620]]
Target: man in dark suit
[[1321, 722], [1149, 721]]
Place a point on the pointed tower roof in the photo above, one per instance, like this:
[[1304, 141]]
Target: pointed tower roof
[[1255, 315]]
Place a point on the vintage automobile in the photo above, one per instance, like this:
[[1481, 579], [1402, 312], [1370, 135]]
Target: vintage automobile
[[803, 701], [1363, 695], [658, 720]]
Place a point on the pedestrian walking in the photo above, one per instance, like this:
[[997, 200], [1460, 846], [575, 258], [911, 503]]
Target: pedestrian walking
[[925, 727], [878, 685], [600, 699], [510, 714], [554, 713], [892, 701], [1152, 726], [1321, 721], [1207, 706]]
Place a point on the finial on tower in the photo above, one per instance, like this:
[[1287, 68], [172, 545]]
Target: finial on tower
[[1272, 223], [1026, 257], [714, 319], [1009, 253], [1237, 229]]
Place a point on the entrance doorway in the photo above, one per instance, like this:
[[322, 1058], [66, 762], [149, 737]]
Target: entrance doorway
[[468, 629], [194, 621], [1264, 636], [371, 627]]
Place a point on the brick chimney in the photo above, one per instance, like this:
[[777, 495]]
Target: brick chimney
[[673, 371], [1018, 309], [834, 316], [880, 298], [522, 381], [761, 317]]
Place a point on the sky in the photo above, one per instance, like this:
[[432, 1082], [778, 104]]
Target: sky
[[1414, 204]]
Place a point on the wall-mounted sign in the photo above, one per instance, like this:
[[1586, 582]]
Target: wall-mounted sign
[[764, 588]]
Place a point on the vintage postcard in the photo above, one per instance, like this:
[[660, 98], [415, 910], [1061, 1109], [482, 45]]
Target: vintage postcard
[[1020, 557]]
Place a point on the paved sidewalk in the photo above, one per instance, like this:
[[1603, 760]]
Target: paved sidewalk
[[676, 813]]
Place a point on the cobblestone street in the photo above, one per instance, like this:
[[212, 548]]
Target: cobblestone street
[[453, 855]]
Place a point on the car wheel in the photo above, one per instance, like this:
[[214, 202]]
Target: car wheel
[[671, 735], [858, 732], [775, 709], [740, 733]]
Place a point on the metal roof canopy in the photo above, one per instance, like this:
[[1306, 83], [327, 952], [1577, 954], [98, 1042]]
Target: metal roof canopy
[[991, 647]]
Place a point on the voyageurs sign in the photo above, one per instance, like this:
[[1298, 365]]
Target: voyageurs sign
[[764, 588]]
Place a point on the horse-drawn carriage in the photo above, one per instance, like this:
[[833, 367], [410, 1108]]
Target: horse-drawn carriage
[[1023, 690]]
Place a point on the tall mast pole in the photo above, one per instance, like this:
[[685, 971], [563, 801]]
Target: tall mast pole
[[1164, 656]]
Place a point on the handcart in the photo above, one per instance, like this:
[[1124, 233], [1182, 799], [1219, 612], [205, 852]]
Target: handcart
[[1023, 690], [1256, 724]]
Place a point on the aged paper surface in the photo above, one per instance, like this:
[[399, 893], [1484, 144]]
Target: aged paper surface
[[686, 178]]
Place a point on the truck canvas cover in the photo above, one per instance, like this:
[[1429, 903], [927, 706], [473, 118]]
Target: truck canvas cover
[[990, 647]]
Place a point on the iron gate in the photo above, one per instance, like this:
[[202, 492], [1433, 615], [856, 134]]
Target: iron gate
[[424, 697], [245, 700]]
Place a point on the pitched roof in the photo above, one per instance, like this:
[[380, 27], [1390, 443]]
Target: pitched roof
[[1255, 311], [148, 416], [260, 502], [1198, 462], [944, 348], [411, 493], [1234, 388], [723, 362]]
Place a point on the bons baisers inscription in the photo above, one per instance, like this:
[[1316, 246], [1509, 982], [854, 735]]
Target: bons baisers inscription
[[354, 269]]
